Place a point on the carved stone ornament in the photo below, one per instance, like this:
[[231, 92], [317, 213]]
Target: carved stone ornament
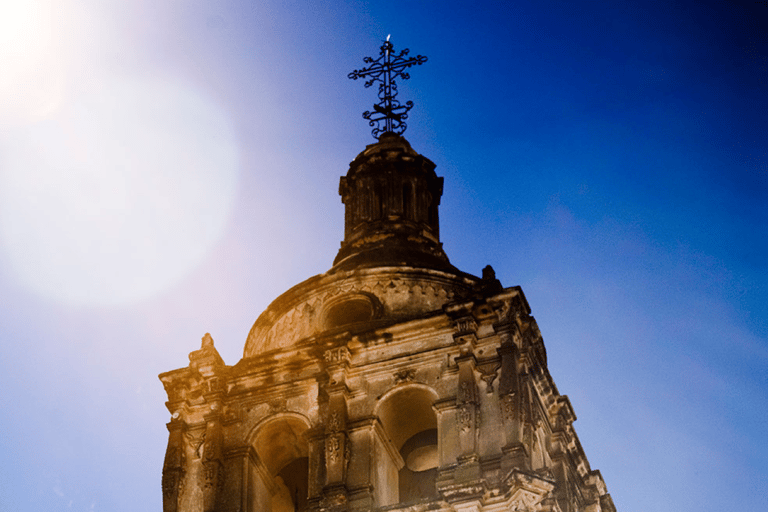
[[489, 372], [169, 483], [508, 408], [506, 312], [405, 375], [523, 501], [336, 355], [231, 413], [509, 309], [196, 442], [465, 325], [466, 393], [278, 405], [173, 487], [560, 423], [465, 417], [334, 423], [211, 470], [307, 318], [333, 447]]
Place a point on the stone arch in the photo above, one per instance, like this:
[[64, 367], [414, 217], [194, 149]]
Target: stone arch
[[350, 308], [282, 470], [409, 423]]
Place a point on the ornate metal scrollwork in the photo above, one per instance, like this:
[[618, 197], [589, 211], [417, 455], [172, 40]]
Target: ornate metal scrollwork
[[389, 114]]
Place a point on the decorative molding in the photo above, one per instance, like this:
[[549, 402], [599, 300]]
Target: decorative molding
[[465, 325], [336, 355], [334, 422], [307, 317], [523, 501], [278, 405], [333, 447], [466, 392], [213, 471], [464, 417], [489, 372], [508, 407], [197, 442], [407, 375], [527, 492], [173, 468]]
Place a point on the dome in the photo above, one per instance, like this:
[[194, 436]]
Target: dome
[[353, 300], [391, 265]]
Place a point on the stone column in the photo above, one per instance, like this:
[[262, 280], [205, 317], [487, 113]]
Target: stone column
[[466, 406], [173, 466], [467, 421], [336, 440], [510, 401], [316, 455], [336, 446], [213, 465]]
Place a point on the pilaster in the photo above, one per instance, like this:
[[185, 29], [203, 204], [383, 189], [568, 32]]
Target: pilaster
[[336, 440], [173, 466]]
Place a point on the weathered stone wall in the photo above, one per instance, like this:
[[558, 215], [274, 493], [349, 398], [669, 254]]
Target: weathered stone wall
[[393, 381], [464, 387]]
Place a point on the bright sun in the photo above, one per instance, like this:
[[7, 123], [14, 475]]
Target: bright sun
[[31, 72]]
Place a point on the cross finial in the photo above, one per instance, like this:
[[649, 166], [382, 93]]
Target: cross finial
[[388, 115]]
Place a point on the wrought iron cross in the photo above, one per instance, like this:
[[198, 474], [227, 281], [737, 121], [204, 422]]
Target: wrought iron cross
[[388, 115]]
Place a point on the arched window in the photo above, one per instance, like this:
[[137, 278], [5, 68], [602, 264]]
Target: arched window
[[410, 430], [280, 481], [351, 308]]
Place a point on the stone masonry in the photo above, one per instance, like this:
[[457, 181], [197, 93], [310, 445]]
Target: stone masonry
[[392, 382]]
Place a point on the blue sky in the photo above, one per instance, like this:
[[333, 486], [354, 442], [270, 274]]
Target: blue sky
[[169, 168]]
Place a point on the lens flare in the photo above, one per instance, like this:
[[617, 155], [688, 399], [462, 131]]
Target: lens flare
[[118, 194], [31, 62]]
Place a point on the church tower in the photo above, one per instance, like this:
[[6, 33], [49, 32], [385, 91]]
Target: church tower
[[393, 381]]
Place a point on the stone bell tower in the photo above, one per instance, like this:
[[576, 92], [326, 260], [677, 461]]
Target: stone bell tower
[[393, 381]]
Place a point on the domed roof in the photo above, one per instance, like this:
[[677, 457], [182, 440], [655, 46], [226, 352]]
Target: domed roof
[[354, 300], [391, 266]]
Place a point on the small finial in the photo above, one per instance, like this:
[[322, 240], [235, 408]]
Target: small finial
[[207, 341], [489, 284], [388, 115]]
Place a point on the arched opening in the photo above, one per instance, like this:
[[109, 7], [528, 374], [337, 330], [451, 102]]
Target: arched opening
[[282, 478], [350, 309], [410, 427], [417, 477], [293, 486]]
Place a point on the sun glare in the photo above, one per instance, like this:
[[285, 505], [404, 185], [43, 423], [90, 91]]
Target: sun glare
[[24, 26], [118, 194], [30, 59]]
